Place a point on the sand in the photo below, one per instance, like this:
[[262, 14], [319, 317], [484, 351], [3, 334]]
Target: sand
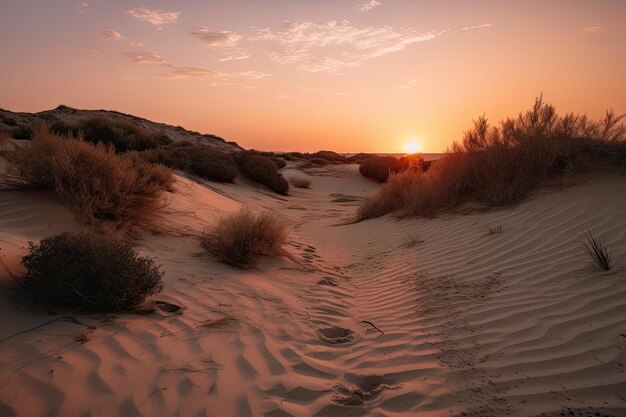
[[380, 318]]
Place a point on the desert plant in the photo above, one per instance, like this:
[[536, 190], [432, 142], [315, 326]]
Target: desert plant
[[239, 238], [123, 135], [300, 182], [195, 158], [379, 167], [493, 230], [499, 166], [87, 270], [92, 180], [597, 250], [263, 170], [330, 156]]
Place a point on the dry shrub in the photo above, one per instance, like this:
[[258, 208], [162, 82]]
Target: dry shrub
[[300, 182], [263, 170], [201, 160], [498, 166], [87, 270], [380, 167], [123, 135], [92, 180], [330, 156], [240, 238]]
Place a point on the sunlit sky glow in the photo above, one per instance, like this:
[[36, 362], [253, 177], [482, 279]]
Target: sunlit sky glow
[[346, 75]]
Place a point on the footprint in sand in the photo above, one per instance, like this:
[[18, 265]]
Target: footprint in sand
[[367, 389], [336, 335], [168, 307], [327, 281]]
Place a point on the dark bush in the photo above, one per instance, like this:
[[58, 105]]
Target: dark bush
[[380, 167], [330, 156], [263, 170], [22, 132], [82, 269], [123, 135], [280, 162], [201, 160], [360, 157]]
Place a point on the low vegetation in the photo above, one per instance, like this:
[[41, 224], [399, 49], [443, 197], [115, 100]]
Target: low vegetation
[[300, 182], [239, 239], [195, 158], [597, 250], [380, 168], [122, 135], [263, 170], [500, 165], [330, 156], [97, 184], [87, 270], [494, 230]]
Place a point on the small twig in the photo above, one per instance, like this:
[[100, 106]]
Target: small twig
[[82, 296], [68, 318], [11, 274], [373, 325]]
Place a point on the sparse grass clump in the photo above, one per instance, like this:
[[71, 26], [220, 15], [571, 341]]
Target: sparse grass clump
[[239, 239], [597, 250], [498, 166], [494, 230], [263, 170], [201, 160], [92, 180], [87, 270], [300, 182]]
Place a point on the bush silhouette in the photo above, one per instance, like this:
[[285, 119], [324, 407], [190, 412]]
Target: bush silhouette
[[87, 270]]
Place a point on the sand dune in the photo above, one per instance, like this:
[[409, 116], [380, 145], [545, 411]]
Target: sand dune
[[379, 318]]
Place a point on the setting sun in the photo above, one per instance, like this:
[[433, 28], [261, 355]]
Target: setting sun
[[412, 147]]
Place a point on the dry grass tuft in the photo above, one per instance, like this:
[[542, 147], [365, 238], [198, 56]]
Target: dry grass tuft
[[494, 230], [499, 166], [98, 185], [240, 238], [300, 182], [597, 250]]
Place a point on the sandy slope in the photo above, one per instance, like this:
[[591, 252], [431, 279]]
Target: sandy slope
[[381, 318]]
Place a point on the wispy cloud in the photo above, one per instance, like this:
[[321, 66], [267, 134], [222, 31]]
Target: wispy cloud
[[369, 5], [216, 38], [407, 84], [484, 25], [155, 16], [310, 44], [144, 57], [592, 29], [111, 35], [82, 7], [319, 90], [234, 56], [178, 72]]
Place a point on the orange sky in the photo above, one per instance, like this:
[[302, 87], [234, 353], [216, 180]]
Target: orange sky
[[346, 75]]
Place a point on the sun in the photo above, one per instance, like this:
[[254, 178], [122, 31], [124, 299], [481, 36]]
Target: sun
[[412, 147]]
